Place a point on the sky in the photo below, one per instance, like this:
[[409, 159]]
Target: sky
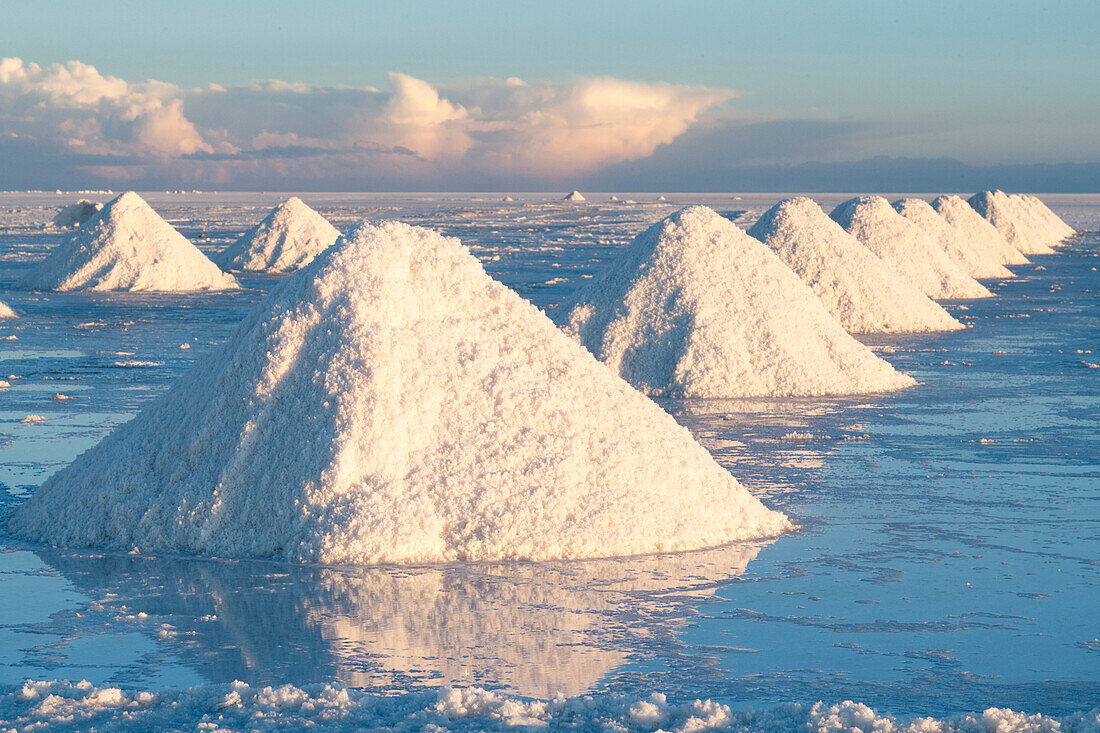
[[531, 95]]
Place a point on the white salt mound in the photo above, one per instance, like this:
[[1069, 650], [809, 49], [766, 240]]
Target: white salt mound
[[75, 215], [973, 228], [574, 196], [127, 246], [695, 307], [1054, 224], [978, 263], [907, 248], [391, 402], [858, 288], [6, 311], [288, 238], [1016, 221]]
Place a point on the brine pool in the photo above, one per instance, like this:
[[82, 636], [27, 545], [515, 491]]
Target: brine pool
[[947, 558]]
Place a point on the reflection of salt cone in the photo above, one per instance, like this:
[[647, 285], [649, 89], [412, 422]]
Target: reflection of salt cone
[[537, 629], [526, 632]]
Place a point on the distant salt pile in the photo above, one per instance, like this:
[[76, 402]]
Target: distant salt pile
[[977, 262], [1054, 224], [695, 307], [6, 311], [907, 248], [859, 289], [575, 196], [127, 246], [391, 402], [973, 228], [75, 215], [1017, 222], [288, 238]]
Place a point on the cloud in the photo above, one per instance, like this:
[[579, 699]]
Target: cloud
[[416, 118], [564, 129], [416, 134], [73, 107], [701, 158]]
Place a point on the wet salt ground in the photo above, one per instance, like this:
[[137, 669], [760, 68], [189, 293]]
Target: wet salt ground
[[947, 559]]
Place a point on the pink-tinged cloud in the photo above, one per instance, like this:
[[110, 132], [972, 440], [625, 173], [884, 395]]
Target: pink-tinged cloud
[[76, 107], [71, 115]]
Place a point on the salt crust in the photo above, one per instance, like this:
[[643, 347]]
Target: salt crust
[[127, 246], [858, 288], [973, 227], [393, 403], [978, 263], [53, 705], [695, 307], [287, 239], [907, 248]]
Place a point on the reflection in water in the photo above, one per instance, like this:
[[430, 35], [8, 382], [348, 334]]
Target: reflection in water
[[536, 629], [775, 445]]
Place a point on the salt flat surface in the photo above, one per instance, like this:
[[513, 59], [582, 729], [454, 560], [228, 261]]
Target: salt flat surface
[[946, 562]]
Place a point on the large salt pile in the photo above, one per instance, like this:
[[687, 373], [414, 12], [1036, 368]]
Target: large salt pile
[[76, 214], [127, 246], [1015, 219], [695, 307], [973, 228], [288, 238], [907, 248], [391, 402], [977, 262], [858, 288], [6, 311], [1053, 223], [574, 196]]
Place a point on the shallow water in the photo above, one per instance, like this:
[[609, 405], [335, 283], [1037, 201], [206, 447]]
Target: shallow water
[[946, 561]]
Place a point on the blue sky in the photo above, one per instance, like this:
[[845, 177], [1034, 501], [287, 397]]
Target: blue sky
[[983, 82]]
